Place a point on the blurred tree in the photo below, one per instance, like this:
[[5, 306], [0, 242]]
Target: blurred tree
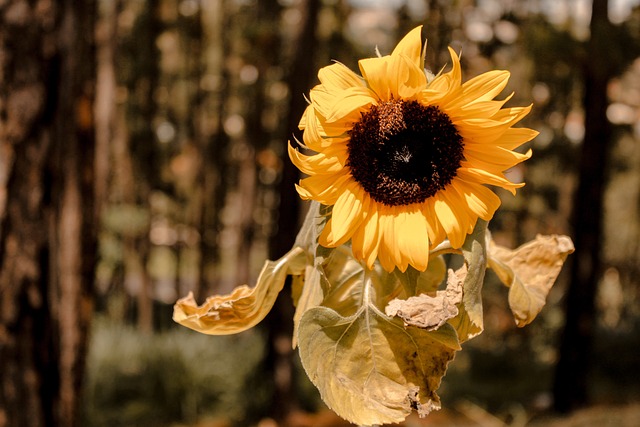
[[47, 216], [138, 154], [212, 141], [280, 326], [571, 379]]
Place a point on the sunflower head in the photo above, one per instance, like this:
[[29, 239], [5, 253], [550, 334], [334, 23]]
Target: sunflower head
[[402, 159]]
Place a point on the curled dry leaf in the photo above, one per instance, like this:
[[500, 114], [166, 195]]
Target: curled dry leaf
[[243, 308], [430, 311], [529, 271]]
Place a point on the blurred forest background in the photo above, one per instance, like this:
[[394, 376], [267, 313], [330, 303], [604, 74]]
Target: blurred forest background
[[142, 156]]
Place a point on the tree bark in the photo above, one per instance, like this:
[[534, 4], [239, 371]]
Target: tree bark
[[47, 215], [213, 144], [279, 321], [138, 161], [572, 371]]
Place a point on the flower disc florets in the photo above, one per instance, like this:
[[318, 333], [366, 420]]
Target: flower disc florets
[[404, 152]]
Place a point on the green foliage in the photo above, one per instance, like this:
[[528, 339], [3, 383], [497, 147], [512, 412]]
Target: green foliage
[[126, 220], [157, 380]]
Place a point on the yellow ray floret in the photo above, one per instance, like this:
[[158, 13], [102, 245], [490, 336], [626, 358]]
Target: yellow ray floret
[[403, 161]]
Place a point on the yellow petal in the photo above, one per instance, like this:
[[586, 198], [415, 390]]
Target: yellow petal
[[350, 105], [334, 130], [411, 47], [332, 105], [346, 216], [393, 76], [447, 83], [406, 79], [312, 136], [497, 156], [318, 134], [375, 73], [303, 120], [458, 202], [366, 239], [472, 174], [387, 248], [393, 235], [512, 115], [322, 99], [413, 238], [450, 216], [339, 77], [515, 137], [481, 128], [324, 188], [482, 201], [482, 110], [317, 164], [481, 88], [434, 228], [486, 86]]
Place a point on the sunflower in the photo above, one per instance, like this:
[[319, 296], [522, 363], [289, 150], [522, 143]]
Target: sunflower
[[403, 156]]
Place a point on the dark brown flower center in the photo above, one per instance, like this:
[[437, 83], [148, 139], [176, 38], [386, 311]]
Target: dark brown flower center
[[404, 152]]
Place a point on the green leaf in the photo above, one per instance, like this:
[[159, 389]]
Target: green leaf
[[369, 367]]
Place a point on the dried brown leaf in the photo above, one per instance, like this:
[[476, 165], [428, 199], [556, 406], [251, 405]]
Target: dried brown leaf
[[429, 311], [243, 308], [529, 271]]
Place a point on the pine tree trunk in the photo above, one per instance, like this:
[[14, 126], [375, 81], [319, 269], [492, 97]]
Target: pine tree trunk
[[572, 371], [214, 145], [280, 320], [47, 216]]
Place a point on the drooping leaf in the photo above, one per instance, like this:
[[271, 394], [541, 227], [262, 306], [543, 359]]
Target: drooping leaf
[[529, 271], [344, 282], [469, 323], [307, 237], [432, 310], [243, 308], [421, 282], [369, 368], [308, 288]]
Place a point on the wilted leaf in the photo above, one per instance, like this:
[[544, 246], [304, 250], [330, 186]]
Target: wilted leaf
[[244, 307], [469, 323], [343, 276], [421, 282], [530, 272], [307, 237], [429, 311], [369, 368], [307, 289]]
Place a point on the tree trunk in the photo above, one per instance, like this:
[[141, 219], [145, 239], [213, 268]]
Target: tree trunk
[[572, 372], [138, 161], [300, 79], [47, 216], [280, 319], [105, 102], [214, 143]]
